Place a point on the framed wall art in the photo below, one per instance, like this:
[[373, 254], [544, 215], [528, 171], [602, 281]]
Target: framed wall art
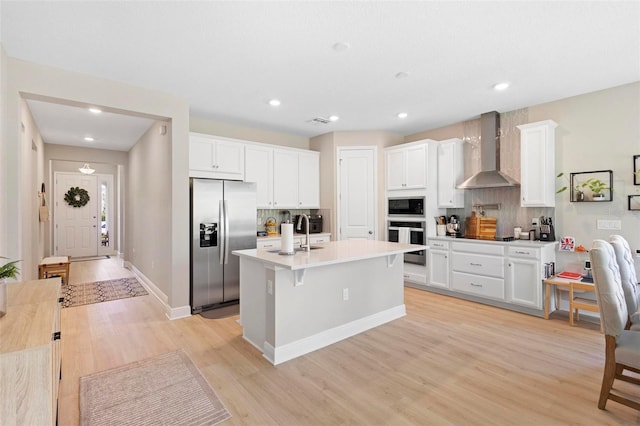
[[636, 169], [634, 202]]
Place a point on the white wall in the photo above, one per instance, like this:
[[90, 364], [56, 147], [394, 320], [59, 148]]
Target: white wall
[[33, 79], [217, 128], [147, 216]]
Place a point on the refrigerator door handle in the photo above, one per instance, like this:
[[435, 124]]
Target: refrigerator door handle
[[223, 232], [226, 233]]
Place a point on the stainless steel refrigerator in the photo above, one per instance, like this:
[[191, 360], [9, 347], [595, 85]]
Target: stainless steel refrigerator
[[223, 219]]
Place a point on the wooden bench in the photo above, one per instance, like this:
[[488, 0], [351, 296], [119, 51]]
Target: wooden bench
[[54, 266]]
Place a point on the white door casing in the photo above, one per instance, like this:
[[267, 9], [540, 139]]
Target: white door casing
[[357, 198], [76, 228]]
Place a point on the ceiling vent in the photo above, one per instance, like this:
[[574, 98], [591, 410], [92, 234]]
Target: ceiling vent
[[319, 120]]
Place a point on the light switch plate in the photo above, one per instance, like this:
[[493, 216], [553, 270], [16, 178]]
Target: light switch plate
[[609, 224]]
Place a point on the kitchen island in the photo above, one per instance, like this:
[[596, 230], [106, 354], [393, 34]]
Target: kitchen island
[[293, 305]]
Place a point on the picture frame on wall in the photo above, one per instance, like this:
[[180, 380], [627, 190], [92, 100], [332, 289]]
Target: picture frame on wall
[[634, 202], [636, 169]]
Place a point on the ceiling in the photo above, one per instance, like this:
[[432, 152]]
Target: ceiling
[[230, 58]]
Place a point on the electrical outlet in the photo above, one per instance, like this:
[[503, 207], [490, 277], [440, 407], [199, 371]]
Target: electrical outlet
[[270, 287], [345, 294], [610, 224]]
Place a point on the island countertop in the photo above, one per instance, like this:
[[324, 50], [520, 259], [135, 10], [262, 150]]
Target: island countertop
[[333, 252]]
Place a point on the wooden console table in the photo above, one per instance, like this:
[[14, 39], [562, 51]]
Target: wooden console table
[[30, 353], [575, 301]]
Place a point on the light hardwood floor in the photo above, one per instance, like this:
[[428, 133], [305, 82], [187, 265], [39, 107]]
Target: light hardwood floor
[[448, 362]]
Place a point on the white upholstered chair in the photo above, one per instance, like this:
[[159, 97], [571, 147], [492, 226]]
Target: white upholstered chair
[[628, 278], [622, 347]]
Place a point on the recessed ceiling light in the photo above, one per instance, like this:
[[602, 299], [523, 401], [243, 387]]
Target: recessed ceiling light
[[274, 102], [89, 139], [334, 118], [402, 115], [501, 86], [341, 46], [402, 74], [95, 110]]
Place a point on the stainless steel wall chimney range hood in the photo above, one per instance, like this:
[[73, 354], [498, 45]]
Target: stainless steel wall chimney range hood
[[489, 175]]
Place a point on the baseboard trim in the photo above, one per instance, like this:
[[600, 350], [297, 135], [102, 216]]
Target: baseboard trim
[[325, 338], [171, 313]]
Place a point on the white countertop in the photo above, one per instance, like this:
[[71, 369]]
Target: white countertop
[[330, 253], [514, 243]]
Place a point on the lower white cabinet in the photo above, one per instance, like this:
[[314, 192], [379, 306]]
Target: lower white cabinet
[[507, 274], [438, 261], [274, 243]]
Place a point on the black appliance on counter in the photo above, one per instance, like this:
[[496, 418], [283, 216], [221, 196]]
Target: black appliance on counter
[[315, 224], [546, 229]]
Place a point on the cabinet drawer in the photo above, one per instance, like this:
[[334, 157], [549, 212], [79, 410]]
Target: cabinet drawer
[[321, 239], [530, 253], [479, 264], [438, 245], [268, 244], [478, 285], [496, 249]]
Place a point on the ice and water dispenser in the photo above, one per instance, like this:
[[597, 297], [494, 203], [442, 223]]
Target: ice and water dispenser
[[208, 234]]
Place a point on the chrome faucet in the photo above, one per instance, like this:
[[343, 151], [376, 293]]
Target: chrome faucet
[[306, 246]]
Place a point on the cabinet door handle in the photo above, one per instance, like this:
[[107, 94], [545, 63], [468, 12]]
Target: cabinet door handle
[[522, 252], [475, 285], [475, 264]]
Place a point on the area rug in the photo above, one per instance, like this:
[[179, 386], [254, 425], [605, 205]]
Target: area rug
[[101, 291], [165, 390]]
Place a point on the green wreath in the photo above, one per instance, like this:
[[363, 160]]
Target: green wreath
[[76, 197]]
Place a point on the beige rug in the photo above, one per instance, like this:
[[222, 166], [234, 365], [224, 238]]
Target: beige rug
[[101, 291], [165, 390]]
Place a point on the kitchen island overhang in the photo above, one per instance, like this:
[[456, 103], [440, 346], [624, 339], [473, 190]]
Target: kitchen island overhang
[[293, 305]]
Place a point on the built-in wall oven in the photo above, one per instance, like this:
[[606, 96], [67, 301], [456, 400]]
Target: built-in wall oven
[[409, 232], [406, 206]]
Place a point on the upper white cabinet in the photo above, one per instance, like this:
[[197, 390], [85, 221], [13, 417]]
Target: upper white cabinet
[[450, 173], [407, 166], [214, 157], [259, 169], [308, 179], [285, 178], [537, 164]]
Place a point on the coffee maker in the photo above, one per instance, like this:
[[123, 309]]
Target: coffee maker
[[454, 227]]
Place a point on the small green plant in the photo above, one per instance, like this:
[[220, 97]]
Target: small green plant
[[595, 185], [9, 270], [576, 188]]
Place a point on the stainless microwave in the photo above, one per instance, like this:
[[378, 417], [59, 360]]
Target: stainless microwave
[[406, 206]]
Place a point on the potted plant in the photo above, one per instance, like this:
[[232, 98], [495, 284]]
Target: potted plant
[[8, 270], [596, 186]]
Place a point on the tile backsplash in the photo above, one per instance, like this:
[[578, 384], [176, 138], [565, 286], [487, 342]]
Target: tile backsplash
[[510, 213]]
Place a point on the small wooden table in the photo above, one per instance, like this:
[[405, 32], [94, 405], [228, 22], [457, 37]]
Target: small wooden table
[[575, 302], [54, 266]]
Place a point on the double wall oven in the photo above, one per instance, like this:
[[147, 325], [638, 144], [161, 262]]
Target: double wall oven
[[407, 225]]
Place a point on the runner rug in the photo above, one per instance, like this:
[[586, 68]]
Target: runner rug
[[101, 291], [165, 390]]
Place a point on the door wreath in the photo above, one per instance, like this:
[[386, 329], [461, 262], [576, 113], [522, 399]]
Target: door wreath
[[76, 197]]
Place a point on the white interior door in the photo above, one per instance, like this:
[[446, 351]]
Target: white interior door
[[357, 193], [76, 228]]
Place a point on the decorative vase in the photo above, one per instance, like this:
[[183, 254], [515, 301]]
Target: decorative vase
[[580, 196], [3, 297], [598, 197]]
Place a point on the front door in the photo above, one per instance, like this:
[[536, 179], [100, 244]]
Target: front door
[[76, 219], [356, 193]]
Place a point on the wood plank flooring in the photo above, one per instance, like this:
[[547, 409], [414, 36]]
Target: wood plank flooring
[[448, 362]]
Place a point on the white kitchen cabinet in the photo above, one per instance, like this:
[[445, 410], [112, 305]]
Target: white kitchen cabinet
[[524, 274], [450, 173], [214, 157], [438, 261], [285, 178], [537, 164], [308, 180], [259, 169], [314, 239], [406, 166], [478, 269]]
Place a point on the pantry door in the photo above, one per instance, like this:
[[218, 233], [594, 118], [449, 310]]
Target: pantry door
[[75, 228], [357, 193]]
